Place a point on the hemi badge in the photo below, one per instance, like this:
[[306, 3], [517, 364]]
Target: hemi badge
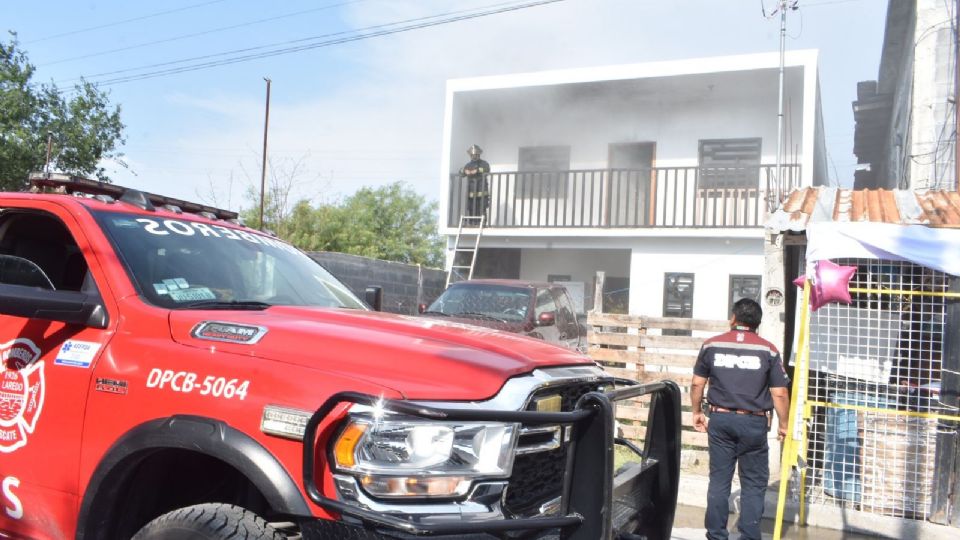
[[229, 332], [548, 404], [111, 386]]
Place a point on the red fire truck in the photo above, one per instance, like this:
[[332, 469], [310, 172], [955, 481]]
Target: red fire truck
[[170, 373]]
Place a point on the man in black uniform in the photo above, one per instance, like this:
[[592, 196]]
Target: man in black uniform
[[747, 381], [478, 196]]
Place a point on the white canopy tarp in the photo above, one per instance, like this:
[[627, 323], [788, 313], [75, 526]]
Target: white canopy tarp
[[934, 248]]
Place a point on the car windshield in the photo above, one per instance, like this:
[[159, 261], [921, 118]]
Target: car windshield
[[508, 304], [182, 264]]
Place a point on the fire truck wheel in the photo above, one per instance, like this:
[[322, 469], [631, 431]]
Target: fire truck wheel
[[209, 522]]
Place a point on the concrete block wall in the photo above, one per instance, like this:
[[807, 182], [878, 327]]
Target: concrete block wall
[[399, 281], [932, 114]]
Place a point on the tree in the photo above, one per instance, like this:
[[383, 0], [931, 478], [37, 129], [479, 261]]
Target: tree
[[392, 223], [284, 176], [84, 128]]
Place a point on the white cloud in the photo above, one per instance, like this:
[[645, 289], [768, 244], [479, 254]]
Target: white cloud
[[381, 120]]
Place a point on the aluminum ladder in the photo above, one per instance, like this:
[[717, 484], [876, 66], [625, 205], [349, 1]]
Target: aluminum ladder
[[459, 267]]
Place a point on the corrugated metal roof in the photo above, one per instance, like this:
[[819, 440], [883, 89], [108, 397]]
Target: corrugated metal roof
[[824, 204]]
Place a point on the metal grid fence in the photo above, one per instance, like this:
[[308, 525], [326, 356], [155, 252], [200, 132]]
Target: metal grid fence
[[872, 398]]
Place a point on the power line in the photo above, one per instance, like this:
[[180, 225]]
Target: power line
[[125, 21], [202, 33], [512, 5], [372, 31], [836, 175], [799, 32]]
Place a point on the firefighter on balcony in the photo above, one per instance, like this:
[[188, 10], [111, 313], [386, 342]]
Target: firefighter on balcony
[[478, 194]]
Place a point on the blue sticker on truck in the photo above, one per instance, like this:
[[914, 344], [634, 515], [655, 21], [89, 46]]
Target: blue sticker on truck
[[77, 353]]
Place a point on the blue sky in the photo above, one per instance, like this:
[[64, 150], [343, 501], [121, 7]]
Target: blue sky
[[371, 112]]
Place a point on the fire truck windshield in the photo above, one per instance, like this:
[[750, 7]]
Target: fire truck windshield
[[186, 264]]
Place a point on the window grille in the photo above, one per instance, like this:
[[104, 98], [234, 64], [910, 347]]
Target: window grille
[[743, 286], [677, 299], [729, 163]]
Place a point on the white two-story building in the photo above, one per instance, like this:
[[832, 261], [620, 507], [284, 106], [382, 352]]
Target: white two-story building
[[659, 174]]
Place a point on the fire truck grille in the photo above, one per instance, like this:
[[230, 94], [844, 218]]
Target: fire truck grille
[[538, 477]]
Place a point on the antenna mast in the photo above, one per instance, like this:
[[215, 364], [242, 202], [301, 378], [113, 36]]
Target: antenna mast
[[782, 7]]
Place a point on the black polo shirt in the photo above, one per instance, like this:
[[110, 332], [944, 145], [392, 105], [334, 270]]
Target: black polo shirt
[[741, 367]]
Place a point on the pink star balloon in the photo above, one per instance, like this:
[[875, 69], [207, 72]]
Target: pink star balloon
[[831, 283]]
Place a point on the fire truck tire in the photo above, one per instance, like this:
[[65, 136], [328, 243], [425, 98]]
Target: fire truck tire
[[209, 522]]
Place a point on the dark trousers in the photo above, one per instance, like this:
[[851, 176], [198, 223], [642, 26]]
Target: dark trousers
[[736, 439], [478, 198], [477, 206]]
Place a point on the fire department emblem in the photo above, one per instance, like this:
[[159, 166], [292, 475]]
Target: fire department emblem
[[21, 392]]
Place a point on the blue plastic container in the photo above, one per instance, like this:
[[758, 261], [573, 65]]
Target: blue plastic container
[[841, 459]]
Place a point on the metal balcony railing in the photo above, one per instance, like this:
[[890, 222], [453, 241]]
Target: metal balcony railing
[[654, 197]]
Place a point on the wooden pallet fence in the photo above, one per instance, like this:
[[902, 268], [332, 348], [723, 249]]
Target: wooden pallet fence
[[634, 347]]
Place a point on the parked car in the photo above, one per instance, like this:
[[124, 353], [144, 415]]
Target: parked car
[[170, 373], [540, 310]]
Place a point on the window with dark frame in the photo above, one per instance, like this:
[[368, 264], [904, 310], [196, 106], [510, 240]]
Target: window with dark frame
[[677, 299], [543, 171], [743, 286], [730, 163]]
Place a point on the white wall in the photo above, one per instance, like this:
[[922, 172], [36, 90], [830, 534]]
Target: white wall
[[672, 103], [579, 264], [820, 174], [645, 261], [674, 112], [712, 261]]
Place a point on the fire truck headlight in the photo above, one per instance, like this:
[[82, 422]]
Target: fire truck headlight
[[402, 457]]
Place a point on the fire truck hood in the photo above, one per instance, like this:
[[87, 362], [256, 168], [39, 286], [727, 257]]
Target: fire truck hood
[[422, 358]]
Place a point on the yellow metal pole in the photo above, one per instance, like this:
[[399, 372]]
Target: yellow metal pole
[[800, 398], [901, 292], [788, 458], [802, 466]]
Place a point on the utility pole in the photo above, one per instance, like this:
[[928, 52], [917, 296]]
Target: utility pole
[[783, 47], [775, 192], [783, 6], [263, 170]]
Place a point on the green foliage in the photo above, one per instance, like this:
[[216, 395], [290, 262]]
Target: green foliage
[[84, 127], [391, 223]]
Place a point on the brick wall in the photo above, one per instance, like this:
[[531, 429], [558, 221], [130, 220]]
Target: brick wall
[[399, 281]]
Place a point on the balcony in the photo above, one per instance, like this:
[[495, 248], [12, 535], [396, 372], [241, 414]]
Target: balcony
[[629, 198]]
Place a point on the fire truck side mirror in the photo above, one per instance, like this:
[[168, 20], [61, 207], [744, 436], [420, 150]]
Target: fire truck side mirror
[[71, 307], [373, 296]]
